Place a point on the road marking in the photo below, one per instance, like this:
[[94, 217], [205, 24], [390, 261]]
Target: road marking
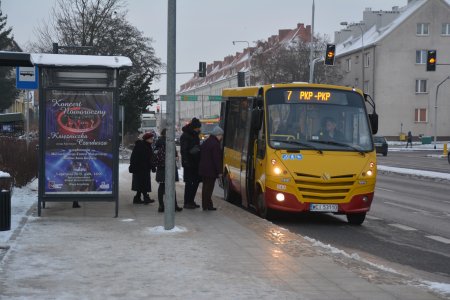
[[383, 189], [405, 206], [403, 227], [373, 218], [438, 238]]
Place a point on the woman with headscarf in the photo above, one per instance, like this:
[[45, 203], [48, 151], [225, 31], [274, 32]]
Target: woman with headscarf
[[210, 167]]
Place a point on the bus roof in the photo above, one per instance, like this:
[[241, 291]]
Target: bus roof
[[253, 91]]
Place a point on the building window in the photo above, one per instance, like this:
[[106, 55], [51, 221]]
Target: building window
[[445, 29], [348, 64], [366, 60], [421, 86], [421, 56], [420, 115], [422, 28]]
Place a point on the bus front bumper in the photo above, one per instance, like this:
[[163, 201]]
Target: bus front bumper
[[358, 204]]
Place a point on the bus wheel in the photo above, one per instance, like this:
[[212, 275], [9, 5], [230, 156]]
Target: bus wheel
[[261, 207], [227, 192], [356, 219]]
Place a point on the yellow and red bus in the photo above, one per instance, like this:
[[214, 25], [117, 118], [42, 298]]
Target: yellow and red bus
[[279, 156]]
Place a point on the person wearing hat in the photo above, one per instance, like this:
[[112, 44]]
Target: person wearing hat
[[190, 158], [141, 164], [210, 167]]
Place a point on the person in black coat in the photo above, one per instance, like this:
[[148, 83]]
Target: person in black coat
[[141, 164], [190, 158], [160, 153], [210, 167]]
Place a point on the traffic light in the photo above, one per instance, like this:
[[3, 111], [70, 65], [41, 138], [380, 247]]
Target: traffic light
[[329, 55], [431, 60], [202, 69]]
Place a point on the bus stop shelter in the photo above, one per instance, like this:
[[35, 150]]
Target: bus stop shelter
[[78, 125]]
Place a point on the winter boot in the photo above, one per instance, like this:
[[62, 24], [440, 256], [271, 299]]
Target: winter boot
[[137, 200]]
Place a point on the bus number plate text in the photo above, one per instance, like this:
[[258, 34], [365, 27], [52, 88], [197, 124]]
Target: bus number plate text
[[323, 207]]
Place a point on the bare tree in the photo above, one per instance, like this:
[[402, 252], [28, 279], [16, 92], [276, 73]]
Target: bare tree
[[102, 26], [277, 63]]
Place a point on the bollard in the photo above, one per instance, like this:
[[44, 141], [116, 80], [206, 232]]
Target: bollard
[[445, 149], [5, 210]]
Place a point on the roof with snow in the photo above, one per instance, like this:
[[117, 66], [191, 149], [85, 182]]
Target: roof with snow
[[373, 34], [8, 58]]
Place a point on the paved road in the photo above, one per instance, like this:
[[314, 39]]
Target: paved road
[[407, 227], [420, 160]]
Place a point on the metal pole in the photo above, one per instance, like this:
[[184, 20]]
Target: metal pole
[[123, 123], [311, 48], [362, 57], [169, 205], [27, 114], [435, 110]]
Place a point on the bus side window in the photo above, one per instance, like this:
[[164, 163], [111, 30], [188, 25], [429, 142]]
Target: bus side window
[[261, 143]]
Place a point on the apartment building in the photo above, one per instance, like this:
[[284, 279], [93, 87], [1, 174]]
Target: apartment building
[[385, 55]]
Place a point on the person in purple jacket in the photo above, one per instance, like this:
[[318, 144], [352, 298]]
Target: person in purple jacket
[[210, 167]]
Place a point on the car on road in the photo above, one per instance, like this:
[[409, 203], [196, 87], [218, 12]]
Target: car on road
[[381, 144]]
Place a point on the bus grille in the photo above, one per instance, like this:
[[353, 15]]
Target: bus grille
[[324, 188]]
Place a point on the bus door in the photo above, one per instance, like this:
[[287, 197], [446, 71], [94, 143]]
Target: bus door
[[245, 112]]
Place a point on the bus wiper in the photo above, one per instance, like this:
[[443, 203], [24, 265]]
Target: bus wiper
[[308, 145], [340, 144]]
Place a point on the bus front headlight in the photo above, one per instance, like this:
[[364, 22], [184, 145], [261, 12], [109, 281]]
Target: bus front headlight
[[277, 170], [280, 197]]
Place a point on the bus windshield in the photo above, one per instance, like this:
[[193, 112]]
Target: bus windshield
[[321, 119]]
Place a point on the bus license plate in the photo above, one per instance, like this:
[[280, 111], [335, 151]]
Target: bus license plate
[[323, 207]]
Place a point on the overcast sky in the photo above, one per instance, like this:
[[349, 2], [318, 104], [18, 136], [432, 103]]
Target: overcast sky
[[207, 28]]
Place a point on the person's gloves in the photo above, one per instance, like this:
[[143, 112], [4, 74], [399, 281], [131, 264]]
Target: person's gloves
[[220, 180]]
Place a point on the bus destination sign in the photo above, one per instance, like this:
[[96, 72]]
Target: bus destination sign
[[307, 95]]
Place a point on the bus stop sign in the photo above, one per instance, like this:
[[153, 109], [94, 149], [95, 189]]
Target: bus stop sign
[[27, 78]]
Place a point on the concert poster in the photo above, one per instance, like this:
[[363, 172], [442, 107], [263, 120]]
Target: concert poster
[[78, 142]]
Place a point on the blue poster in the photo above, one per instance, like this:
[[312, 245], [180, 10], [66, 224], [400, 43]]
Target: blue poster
[[78, 142]]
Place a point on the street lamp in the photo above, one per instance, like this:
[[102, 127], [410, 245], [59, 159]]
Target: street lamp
[[248, 44], [360, 24], [435, 110], [250, 53]]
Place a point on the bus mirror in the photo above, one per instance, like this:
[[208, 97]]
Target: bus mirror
[[257, 119], [374, 122]]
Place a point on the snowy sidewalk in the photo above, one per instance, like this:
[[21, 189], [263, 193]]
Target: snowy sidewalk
[[227, 254]]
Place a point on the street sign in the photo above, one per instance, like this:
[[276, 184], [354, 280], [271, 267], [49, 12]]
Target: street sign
[[215, 98], [188, 97], [27, 78]]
